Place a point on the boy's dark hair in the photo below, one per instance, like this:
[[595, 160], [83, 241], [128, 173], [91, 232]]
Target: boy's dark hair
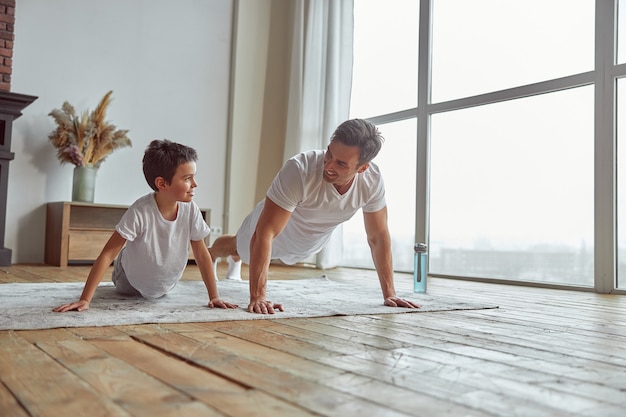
[[361, 133], [162, 158]]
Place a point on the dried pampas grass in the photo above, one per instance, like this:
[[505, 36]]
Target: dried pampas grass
[[86, 140]]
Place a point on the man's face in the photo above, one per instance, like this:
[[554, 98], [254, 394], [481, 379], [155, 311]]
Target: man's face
[[341, 163]]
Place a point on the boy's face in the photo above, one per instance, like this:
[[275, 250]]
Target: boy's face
[[183, 182]]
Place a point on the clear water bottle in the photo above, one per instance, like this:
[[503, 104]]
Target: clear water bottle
[[419, 267]]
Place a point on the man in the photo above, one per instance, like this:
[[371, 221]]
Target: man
[[312, 194]]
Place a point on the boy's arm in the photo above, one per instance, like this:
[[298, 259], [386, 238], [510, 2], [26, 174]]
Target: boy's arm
[[109, 252], [205, 264]]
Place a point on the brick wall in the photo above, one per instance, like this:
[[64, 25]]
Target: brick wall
[[7, 24]]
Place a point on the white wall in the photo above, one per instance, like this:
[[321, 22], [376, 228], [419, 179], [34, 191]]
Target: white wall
[[168, 66]]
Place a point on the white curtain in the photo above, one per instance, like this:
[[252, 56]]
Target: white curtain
[[320, 84]]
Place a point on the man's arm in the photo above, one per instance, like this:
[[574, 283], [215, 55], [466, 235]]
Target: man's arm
[[205, 264], [379, 241], [272, 221], [115, 243]]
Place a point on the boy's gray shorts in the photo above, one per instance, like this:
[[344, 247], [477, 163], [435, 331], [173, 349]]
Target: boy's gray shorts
[[119, 279]]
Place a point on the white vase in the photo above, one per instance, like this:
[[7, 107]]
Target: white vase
[[84, 185]]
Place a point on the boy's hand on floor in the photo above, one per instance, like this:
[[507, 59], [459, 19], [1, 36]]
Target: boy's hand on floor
[[81, 305]]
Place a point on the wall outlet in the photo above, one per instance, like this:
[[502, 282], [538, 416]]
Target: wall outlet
[[216, 230]]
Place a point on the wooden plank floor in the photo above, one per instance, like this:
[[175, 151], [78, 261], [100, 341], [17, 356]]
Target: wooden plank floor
[[544, 352]]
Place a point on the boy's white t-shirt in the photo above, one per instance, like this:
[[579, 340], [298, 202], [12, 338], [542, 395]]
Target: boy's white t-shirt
[[157, 249], [317, 207]]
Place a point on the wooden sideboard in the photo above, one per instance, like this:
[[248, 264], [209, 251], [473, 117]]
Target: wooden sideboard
[[77, 232]]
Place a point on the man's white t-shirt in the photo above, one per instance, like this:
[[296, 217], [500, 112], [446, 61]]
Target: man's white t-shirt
[[317, 207], [157, 249]]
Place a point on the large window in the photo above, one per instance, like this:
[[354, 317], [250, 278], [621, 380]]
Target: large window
[[621, 181], [621, 151], [512, 189], [385, 81], [385, 57], [396, 161], [481, 46], [513, 135], [621, 31]]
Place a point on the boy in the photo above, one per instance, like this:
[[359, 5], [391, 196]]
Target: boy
[[152, 237]]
